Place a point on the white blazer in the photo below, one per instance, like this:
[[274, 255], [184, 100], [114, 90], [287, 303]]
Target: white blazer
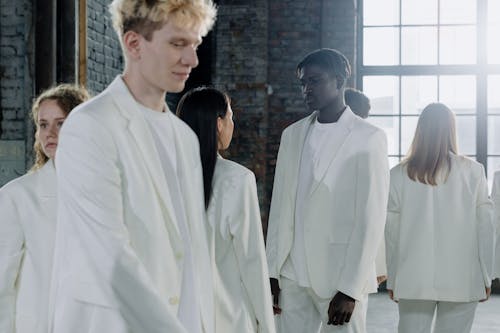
[[119, 254], [345, 211], [28, 207], [495, 196], [439, 239], [242, 291]]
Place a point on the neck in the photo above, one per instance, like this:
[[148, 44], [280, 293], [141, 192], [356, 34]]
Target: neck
[[143, 92], [332, 112]]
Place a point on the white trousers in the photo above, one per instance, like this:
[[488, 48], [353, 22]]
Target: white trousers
[[304, 312], [416, 316]]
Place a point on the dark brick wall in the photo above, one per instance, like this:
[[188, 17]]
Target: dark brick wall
[[16, 86], [104, 55]]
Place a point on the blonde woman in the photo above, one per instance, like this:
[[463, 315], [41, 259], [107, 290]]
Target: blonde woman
[[439, 232], [242, 302], [27, 226]]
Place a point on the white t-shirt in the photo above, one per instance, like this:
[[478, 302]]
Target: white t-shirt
[[313, 164], [160, 124]]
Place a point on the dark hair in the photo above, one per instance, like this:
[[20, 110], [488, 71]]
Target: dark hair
[[357, 101], [334, 62], [200, 108]]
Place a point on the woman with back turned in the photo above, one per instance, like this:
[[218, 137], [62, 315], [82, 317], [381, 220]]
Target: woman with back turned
[[241, 282], [439, 231]]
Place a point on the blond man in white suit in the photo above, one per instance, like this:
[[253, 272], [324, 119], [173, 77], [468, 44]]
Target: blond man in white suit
[[439, 233], [28, 206], [495, 196], [328, 207], [131, 250]]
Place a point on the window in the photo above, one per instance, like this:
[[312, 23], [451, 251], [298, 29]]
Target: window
[[414, 52]]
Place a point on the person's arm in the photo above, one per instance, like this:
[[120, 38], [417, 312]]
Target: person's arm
[[248, 243], [485, 230], [392, 228], [92, 206], [274, 222], [371, 193], [495, 197], [11, 254]]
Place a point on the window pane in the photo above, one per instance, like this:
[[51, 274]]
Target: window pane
[[494, 94], [408, 126], [391, 127], [419, 46], [458, 92], [457, 45], [458, 11], [493, 165], [381, 46], [466, 134], [419, 11], [380, 12], [494, 135], [383, 92], [417, 92]]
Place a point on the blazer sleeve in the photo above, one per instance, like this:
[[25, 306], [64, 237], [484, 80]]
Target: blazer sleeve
[[372, 186], [392, 226], [248, 244], [486, 229], [11, 254], [273, 226], [90, 189], [495, 197]]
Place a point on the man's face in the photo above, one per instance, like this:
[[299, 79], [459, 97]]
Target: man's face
[[168, 58], [319, 88]]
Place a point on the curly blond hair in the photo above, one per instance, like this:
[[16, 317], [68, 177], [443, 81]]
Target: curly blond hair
[[67, 96], [146, 16]]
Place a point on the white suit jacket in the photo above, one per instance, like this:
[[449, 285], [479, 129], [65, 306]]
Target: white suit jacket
[[495, 196], [28, 207], [119, 252], [242, 290], [345, 211], [439, 239]]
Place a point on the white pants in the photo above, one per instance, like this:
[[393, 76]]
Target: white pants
[[415, 316], [304, 312]]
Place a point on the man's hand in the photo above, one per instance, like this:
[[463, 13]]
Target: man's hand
[[340, 309], [488, 294], [391, 295], [275, 291]]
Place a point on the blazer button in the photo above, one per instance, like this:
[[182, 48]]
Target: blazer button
[[173, 300]]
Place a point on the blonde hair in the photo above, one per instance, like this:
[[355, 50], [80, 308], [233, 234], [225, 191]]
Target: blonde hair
[[67, 96], [146, 16], [435, 137]]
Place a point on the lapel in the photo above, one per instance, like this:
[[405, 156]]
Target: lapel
[[129, 109], [345, 122]]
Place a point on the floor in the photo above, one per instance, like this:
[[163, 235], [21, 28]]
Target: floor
[[383, 315]]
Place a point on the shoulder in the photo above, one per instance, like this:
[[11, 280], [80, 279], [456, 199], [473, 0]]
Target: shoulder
[[23, 184], [233, 171], [366, 128], [299, 124], [468, 165], [182, 127]]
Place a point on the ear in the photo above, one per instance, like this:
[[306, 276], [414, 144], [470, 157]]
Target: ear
[[340, 81], [132, 44], [220, 125]]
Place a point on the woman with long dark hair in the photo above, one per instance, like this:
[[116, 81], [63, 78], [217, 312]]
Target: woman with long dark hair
[[439, 231], [28, 207], [235, 232]]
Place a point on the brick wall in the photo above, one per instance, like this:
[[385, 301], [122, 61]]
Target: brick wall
[[104, 55], [16, 87]]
